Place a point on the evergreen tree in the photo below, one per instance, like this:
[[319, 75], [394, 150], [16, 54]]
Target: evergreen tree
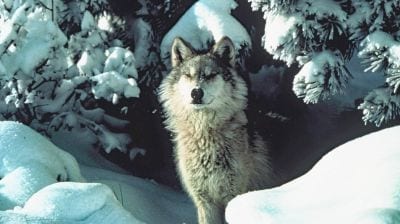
[[321, 36], [58, 61]]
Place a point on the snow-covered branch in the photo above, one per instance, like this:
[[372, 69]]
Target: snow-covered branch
[[50, 74], [301, 33]]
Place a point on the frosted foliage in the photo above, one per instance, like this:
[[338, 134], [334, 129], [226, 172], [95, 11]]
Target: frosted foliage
[[323, 9], [377, 13], [380, 106], [87, 21], [290, 35], [51, 78], [110, 85], [279, 31], [72, 12], [204, 22], [381, 52], [36, 38], [324, 75], [299, 32], [143, 39], [378, 49], [122, 61], [394, 80], [270, 4]]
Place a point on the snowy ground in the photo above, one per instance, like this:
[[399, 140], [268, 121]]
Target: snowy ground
[[358, 182], [41, 183]]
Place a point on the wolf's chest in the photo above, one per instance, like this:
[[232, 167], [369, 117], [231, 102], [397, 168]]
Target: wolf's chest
[[212, 169]]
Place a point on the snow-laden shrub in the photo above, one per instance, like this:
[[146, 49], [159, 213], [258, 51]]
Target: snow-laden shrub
[[300, 31], [205, 22], [56, 63]]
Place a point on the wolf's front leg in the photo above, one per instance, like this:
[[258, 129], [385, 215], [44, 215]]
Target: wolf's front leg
[[209, 213]]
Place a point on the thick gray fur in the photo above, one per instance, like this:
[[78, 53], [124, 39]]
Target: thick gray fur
[[215, 157]]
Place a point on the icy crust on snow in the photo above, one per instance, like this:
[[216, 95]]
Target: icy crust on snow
[[40, 184], [356, 183], [205, 21]]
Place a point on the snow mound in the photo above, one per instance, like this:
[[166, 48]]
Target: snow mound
[[146, 200], [68, 201], [358, 182], [31, 191], [30, 162], [205, 21]]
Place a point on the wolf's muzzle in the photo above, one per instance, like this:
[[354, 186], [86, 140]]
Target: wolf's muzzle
[[197, 95]]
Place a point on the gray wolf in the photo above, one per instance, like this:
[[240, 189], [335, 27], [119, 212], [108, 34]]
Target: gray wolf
[[204, 99]]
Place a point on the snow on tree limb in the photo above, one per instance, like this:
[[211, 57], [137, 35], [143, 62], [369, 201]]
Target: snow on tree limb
[[322, 76], [380, 105], [207, 21], [298, 31], [54, 70]]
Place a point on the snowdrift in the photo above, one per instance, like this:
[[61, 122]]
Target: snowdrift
[[356, 183], [40, 183]]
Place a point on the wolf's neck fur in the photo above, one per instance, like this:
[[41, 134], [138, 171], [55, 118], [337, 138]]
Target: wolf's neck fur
[[207, 119], [200, 125]]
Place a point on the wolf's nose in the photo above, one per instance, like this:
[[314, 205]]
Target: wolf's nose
[[197, 94]]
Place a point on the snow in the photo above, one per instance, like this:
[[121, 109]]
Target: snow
[[59, 202], [118, 77], [380, 106], [31, 192], [323, 8], [19, 16], [143, 37], [311, 81], [89, 63], [384, 43], [40, 37], [280, 29], [110, 83], [120, 60], [88, 22], [358, 182], [205, 21], [7, 32], [30, 164]]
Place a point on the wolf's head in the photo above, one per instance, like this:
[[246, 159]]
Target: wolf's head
[[205, 82]]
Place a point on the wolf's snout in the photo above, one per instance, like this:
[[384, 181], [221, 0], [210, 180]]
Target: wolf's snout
[[197, 94]]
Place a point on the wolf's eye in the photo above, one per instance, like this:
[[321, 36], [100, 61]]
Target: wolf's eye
[[211, 76]]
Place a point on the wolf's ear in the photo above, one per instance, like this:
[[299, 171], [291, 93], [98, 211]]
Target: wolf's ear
[[180, 51], [225, 50]]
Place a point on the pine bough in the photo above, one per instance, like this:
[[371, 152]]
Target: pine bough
[[320, 36], [57, 59]]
